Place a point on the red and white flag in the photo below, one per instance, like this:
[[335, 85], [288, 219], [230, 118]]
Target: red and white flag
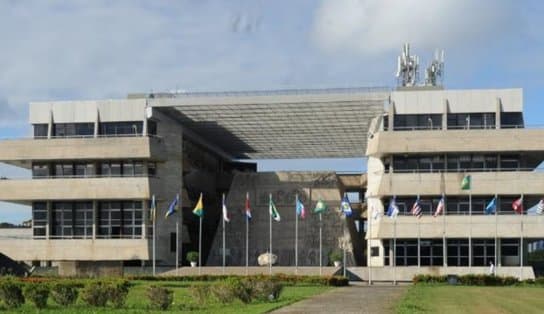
[[517, 205], [440, 207]]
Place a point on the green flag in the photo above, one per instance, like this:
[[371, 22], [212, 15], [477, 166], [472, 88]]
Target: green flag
[[320, 207], [273, 211], [465, 184]]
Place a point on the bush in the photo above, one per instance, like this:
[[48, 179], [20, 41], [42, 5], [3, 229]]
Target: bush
[[95, 294], [37, 293], [192, 256], [64, 294], [337, 281], [267, 290], [11, 294], [429, 279], [199, 293], [159, 297], [222, 293], [118, 292], [335, 256]]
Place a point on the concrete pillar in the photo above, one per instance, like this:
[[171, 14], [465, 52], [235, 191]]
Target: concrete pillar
[[498, 111], [95, 219], [498, 262], [445, 115], [48, 223], [96, 123], [50, 125], [391, 116], [145, 208], [392, 256]]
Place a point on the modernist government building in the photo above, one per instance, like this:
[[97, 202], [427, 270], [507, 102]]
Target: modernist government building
[[96, 165]]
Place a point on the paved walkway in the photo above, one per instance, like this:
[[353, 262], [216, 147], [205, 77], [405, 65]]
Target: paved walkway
[[357, 298]]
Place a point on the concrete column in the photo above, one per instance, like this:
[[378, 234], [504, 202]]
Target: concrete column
[[391, 253], [95, 219], [498, 262], [48, 223], [391, 116], [96, 123], [498, 111], [145, 208], [445, 115], [50, 125]]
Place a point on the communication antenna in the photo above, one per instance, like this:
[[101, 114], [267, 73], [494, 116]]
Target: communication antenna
[[407, 68], [434, 75]]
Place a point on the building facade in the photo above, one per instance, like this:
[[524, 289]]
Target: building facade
[[428, 141]]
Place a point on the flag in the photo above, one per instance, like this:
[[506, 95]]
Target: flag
[[440, 207], [225, 212], [465, 184], [320, 207], [537, 209], [172, 208], [491, 207], [346, 207], [300, 210], [416, 209], [393, 209], [517, 205], [273, 211], [153, 208], [199, 208], [248, 209]]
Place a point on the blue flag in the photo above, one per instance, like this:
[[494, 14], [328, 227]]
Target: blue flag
[[346, 207], [393, 209], [491, 208], [172, 208]]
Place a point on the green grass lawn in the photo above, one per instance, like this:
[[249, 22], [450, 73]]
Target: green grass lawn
[[137, 301], [471, 299]]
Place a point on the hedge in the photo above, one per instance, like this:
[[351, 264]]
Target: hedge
[[475, 280]]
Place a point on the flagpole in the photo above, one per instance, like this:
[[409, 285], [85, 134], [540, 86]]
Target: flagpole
[[320, 245], [223, 234], [521, 241], [444, 245], [200, 247], [470, 228], [154, 237], [177, 248], [247, 237], [296, 234], [496, 233], [369, 245], [270, 235], [395, 251]]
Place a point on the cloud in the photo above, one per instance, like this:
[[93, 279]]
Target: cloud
[[372, 27]]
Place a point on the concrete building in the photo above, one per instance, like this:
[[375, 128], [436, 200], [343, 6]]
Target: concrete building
[[426, 143], [96, 164]]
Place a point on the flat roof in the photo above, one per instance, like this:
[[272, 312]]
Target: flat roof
[[331, 123]]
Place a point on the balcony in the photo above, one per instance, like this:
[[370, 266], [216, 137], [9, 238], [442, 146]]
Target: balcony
[[432, 141], [488, 226], [75, 250], [111, 188], [483, 183], [21, 151]]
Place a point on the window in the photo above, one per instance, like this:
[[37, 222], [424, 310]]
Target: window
[[40, 171], [40, 130], [151, 127], [510, 252], [431, 252], [83, 222], [406, 252], [354, 196], [84, 169], [62, 219], [120, 219], [457, 252], [417, 122], [475, 120], [73, 129], [374, 251], [151, 169], [39, 219], [509, 162], [483, 251], [64, 170], [121, 128], [511, 120], [109, 219], [132, 219]]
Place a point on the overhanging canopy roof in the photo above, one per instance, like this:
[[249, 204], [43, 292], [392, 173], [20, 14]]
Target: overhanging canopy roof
[[282, 124]]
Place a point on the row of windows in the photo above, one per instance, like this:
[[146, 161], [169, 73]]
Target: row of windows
[[90, 169], [75, 219], [457, 252], [480, 120], [460, 205], [87, 129], [455, 163]]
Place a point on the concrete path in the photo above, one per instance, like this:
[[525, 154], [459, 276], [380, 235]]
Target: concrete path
[[357, 298]]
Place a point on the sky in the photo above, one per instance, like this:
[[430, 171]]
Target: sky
[[66, 50]]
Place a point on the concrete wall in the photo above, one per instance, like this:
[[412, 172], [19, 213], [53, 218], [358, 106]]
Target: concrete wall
[[283, 186], [91, 269]]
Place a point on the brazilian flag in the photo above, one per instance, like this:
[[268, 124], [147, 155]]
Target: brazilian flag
[[199, 208], [320, 207]]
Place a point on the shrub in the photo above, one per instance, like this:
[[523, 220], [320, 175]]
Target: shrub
[[118, 292], [221, 292], [37, 293], [539, 281], [192, 256], [95, 294], [199, 293], [266, 290], [241, 289], [159, 297], [335, 256], [11, 294], [64, 294], [337, 281]]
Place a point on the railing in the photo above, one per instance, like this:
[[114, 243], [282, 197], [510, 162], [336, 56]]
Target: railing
[[79, 136], [464, 127], [465, 170], [77, 177], [347, 90]]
